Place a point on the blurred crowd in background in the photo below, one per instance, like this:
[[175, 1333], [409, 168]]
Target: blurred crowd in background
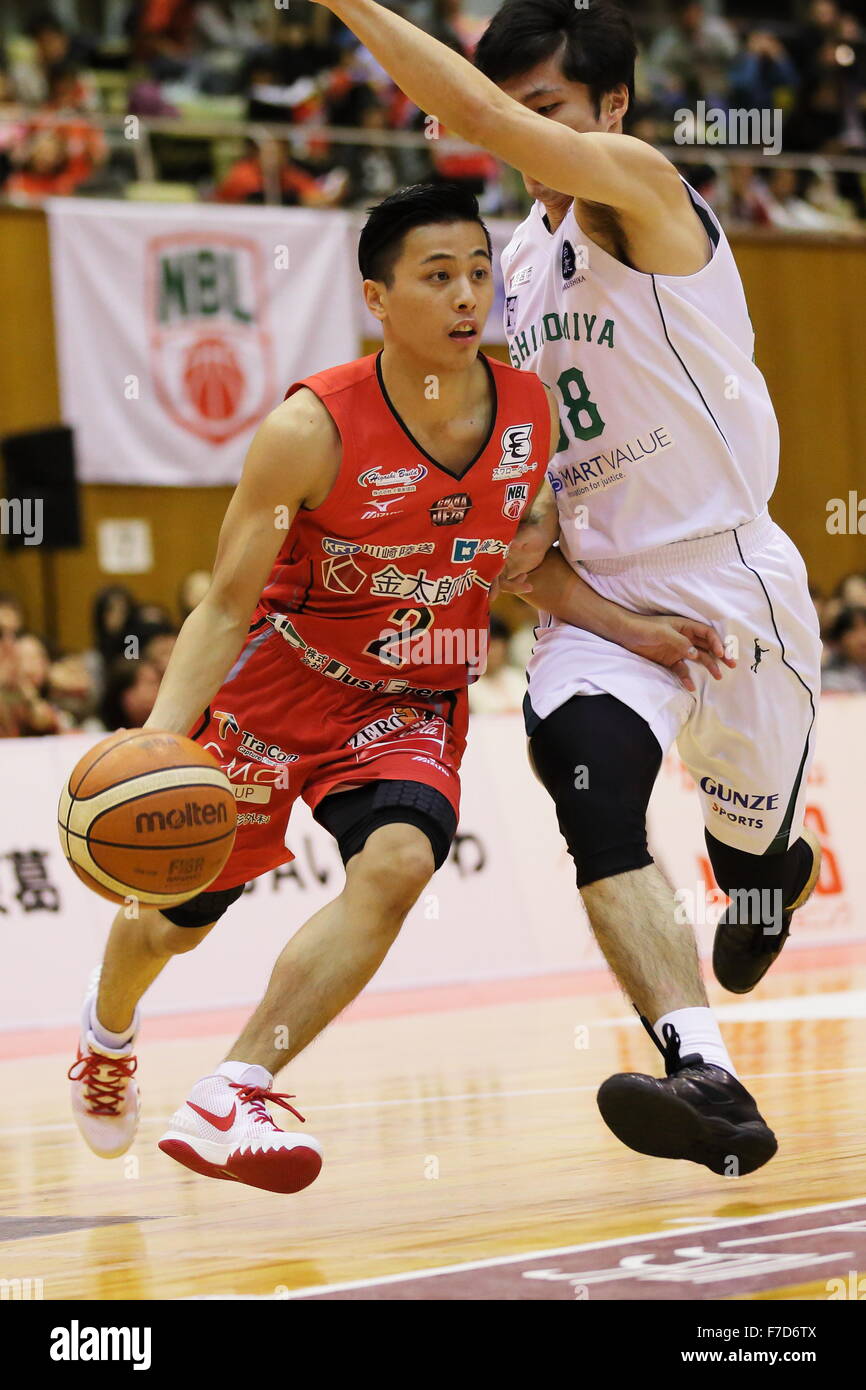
[[295, 66], [113, 685]]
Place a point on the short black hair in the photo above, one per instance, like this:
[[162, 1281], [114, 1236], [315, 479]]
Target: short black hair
[[420, 205], [600, 46]]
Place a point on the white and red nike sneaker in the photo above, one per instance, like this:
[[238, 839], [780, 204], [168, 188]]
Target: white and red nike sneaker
[[105, 1100], [224, 1131]]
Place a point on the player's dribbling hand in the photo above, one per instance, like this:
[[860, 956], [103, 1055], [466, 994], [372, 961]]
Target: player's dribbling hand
[[672, 641]]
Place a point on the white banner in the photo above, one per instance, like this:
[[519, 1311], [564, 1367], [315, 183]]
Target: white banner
[[179, 327], [505, 904]]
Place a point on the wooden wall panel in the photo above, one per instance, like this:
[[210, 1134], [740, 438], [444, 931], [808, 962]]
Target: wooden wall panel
[[808, 308], [29, 397]]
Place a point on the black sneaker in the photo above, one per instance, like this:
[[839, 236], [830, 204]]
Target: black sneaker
[[698, 1111], [744, 951]]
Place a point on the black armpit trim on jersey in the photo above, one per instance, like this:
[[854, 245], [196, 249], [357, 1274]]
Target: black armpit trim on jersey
[[706, 221]]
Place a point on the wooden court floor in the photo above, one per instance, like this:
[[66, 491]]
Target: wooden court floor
[[460, 1130]]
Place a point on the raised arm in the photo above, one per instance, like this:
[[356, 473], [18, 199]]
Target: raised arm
[[292, 461], [623, 173]]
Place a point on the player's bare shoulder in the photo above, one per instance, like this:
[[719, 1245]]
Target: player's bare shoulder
[[301, 433]]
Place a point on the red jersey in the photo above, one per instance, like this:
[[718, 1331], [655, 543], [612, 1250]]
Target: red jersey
[[385, 587]]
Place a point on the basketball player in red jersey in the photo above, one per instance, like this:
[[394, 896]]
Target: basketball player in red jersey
[[330, 659]]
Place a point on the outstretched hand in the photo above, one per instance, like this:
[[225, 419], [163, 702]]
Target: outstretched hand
[[665, 638], [672, 641]]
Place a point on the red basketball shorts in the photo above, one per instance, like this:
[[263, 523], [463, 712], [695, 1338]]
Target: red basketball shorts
[[280, 731]]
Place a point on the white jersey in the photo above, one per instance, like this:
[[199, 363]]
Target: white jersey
[[667, 428]]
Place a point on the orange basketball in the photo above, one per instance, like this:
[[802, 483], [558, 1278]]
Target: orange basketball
[[149, 816]]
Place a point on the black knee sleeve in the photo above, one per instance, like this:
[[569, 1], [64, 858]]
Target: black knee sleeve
[[777, 878], [599, 760], [204, 908], [351, 817]]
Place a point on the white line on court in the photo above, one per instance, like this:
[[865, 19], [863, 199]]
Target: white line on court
[[375, 1281]]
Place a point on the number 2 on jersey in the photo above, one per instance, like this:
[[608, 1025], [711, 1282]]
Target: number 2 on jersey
[[393, 647]]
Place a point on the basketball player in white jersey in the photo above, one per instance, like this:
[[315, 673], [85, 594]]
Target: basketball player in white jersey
[[623, 295]]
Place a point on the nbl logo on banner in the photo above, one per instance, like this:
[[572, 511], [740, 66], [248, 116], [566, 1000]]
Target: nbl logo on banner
[[210, 354], [516, 498]]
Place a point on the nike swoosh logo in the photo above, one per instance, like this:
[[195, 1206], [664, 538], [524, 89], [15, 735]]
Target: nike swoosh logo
[[223, 1122]]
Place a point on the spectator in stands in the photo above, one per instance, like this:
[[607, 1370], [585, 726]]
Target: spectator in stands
[[819, 29], [43, 167], [791, 206], [852, 589], [113, 621], [150, 614], [152, 623], [11, 615], [53, 47], [34, 661], [304, 47], [764, 75], [373, 170], [846, 669], [146, 99], [24, 713], [67, 90], [644, 124], [162, 34], [59, 149], [157, 646], [11, 131], [472, 168], [193, 588], [245, 180], [689, 59], [746, 198], [501, 689], [831, 51], [452, 25], [72, 691], [227, 24], [130, 693]]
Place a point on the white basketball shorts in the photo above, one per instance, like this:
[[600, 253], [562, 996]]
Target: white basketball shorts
[[746, 739]]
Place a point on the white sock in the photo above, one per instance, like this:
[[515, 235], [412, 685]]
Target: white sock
[[699, 1032], [246, 1074], [115, 1042]]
